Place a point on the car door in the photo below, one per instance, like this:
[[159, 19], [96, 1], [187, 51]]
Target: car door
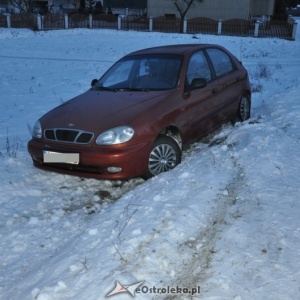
[[201, 102], [228, 77]]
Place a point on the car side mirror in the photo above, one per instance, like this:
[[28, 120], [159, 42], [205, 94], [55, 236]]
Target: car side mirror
[[94, 81], [198, 83]]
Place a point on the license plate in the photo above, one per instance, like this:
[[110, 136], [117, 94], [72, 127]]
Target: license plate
[[57, 157]]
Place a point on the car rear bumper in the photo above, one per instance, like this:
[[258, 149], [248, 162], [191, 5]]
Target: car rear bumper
[[94, 162]]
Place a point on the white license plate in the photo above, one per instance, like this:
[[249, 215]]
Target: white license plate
[[57, 157]]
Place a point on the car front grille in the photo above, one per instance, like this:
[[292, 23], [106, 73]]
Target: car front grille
[[68, 135]]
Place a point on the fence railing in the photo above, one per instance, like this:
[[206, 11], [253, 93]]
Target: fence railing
[[52, 21], [276, 28], [203, 25], [3, 21], [107, 21], [236, 27]]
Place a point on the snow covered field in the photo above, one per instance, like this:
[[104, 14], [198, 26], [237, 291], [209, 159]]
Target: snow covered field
[[226, 220]]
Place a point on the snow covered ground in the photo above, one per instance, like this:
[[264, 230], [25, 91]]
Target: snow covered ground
[[226, 220]]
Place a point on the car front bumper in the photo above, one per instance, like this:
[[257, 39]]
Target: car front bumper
[[105, 162]]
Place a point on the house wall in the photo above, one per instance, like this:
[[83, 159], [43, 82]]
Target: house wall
[[3, 3], [5, 6], [214, 9], [262, 7]]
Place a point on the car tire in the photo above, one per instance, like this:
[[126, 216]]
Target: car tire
[[165, 155], [244, 109]]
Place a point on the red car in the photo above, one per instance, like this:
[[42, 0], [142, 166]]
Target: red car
[[139, 116]]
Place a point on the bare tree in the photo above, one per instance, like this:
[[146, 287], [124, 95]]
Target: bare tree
[[183, 6], [25, 6], [30, 6]]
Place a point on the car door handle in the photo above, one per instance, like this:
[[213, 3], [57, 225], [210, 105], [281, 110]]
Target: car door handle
[[214, 90]]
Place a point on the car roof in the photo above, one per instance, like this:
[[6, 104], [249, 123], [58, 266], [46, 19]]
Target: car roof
[[173, 49]]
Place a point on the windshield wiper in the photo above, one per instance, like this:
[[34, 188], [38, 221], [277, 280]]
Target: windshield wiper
[[134, 89], [120, 89], [104, 88]]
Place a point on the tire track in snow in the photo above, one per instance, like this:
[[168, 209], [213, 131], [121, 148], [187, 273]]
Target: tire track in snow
[[202, 249]]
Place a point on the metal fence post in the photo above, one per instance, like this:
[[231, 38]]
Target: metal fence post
[[150, 23], [8, 21], [39, 22], [294, 30], [185, 25], [220, 26], [90, 21], [119, 22], [256, 30], [66, 21]]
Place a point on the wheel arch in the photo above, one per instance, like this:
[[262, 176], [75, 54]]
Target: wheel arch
[[248, 94], [172, 132]]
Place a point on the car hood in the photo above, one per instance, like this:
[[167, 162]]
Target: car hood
[[96, 111]]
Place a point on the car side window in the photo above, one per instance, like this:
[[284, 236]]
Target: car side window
[[221, 61], [198, 67]]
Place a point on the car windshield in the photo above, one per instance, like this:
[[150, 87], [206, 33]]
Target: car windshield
[[143, 72]]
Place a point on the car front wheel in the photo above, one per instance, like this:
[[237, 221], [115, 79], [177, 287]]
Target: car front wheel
[[165, 155]]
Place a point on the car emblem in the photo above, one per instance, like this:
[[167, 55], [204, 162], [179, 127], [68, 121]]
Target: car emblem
[[71, 125]]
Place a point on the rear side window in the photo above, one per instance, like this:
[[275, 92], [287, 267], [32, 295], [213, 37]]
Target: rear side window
[[221, 61]]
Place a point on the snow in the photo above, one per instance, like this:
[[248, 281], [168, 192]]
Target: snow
[[225, 220]]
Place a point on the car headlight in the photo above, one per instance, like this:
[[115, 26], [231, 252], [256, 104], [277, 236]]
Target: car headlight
[[114, 136], [37, 130]]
